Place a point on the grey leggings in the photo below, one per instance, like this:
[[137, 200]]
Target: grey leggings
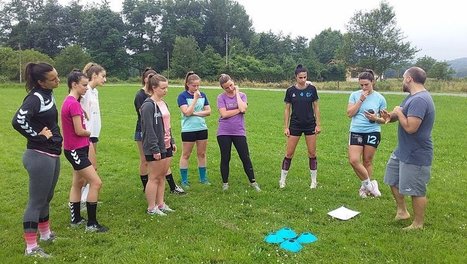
[[43, 173]]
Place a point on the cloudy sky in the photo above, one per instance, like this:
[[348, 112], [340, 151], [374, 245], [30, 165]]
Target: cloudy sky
[[437, 28]]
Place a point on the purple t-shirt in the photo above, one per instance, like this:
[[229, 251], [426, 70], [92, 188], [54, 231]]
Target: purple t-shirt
[[70, 108], [234, 125]]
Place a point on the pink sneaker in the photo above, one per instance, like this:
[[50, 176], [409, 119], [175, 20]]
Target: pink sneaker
[[373, 189], [363, 192]]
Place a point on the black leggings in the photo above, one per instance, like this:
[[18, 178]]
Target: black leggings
[[225, 146]]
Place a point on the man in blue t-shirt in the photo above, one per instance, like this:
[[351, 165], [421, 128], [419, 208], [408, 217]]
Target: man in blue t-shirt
[[409, 167]]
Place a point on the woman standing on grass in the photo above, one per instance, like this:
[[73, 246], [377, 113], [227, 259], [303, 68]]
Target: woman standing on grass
[[90, 104], [364, 108], [158, 143], [76, 148], [301, 116], [37, 121], [195, 107], [232, 105], [140, 97]]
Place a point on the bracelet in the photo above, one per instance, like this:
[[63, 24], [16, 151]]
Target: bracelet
[[361, 100]]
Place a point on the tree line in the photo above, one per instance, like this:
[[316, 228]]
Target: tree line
[[206, 36]]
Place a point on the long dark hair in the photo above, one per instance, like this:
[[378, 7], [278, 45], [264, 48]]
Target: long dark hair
[[367, 74], [300, 68], [74, 77], [36, 72], [145, 74]]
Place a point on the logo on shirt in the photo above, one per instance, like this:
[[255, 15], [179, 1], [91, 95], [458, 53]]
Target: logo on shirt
[[308, 94], [293, 95]]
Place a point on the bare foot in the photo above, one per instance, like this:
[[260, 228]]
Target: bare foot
[[402, 216], [413, 227]]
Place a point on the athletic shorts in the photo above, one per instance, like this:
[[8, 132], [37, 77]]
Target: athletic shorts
[[138, 136], [94, 139], [194, 136], [362, 139], [169, 153], [78, 158], [411, 179], [296, 131]]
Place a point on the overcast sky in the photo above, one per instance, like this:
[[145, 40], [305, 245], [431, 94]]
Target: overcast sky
[[437, 28]]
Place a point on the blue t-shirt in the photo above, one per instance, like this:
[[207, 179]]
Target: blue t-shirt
[[360, 124], [417, 148], [193, 123]]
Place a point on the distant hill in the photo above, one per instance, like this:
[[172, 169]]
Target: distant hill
[[460, 66]]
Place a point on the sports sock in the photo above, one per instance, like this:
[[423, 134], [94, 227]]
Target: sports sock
[[75, 211], [202, 174], [170, 181], [313, 175], [31, 240], [286, 164], [92, 211], [184, 175], [44, 228]]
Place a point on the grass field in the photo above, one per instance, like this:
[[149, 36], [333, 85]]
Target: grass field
[[211, 226]]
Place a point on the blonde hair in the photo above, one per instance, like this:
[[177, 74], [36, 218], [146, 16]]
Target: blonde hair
[[191, 76], [154, 80], [92, 68]]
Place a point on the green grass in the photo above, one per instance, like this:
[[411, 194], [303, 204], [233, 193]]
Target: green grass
[[211, 226]]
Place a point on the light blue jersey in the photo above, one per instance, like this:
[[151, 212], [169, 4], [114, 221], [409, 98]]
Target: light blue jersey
[[193, 123], [360, 124]]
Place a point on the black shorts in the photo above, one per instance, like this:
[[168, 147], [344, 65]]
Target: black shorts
[[78, 158], [194, 136], [169, 153], [297, 131], [94, 139], [362, 139]]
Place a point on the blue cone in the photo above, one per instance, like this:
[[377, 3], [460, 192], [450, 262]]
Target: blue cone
[[273, 238], [291, 245], [286, 233], [306, 238]]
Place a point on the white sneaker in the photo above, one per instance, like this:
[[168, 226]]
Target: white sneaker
[[225, 186], [166, 209], [255, 186], [155, 211], [313, 185], [373, 188], [363, 192]]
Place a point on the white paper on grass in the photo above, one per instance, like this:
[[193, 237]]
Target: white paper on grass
[[343, 213]]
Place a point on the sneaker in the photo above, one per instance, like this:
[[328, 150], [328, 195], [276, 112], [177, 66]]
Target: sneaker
[[185, 185], [363, 192], [373, 189], [156, 211], [178, 190], [255, 186], [166, 209], [36, 252], [97, 228], [225, 186], [50, 239], [78, 223], [205, 182], [313, 185]]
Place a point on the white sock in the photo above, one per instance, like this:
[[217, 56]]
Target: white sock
[[284, 175], [314, 175], [84, 193]]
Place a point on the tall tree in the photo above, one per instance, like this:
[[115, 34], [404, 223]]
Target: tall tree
[[374, 40], [326, 44], [225, 20], [425, 62], [186, 56], [103, 38], [71, 57], [143, 20]]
